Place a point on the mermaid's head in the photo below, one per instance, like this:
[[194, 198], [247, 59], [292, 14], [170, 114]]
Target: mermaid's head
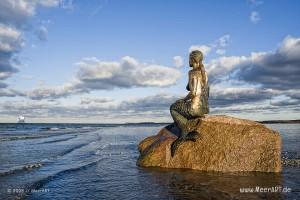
[[196, 58]]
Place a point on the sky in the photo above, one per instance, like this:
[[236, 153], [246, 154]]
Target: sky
[[116, 61]]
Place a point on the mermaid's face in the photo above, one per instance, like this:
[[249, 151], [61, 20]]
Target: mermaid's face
[[194, 63]]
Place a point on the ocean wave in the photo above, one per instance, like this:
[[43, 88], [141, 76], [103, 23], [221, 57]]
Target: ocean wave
[[25, 167], [87, 127], [290, 162], [58, 140], [51, 128], [72, 149], [290, 159], [38, 164], [55, 128], [35, 136], [40, 183], [60, 155], [122, 145], [77, 147], [290, 155], [21, 137]]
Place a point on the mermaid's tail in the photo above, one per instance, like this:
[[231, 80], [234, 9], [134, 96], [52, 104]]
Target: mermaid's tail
[[175, 145], [192, 136]]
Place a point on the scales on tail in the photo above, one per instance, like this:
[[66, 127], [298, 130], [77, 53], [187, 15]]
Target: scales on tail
[[192, 136]]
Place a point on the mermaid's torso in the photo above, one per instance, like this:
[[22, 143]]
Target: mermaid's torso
[[198, 86]]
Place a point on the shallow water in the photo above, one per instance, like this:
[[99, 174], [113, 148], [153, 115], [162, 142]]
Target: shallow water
[[51, 161]]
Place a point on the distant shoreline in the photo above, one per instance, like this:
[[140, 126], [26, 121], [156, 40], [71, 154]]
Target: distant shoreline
[[296, 121]]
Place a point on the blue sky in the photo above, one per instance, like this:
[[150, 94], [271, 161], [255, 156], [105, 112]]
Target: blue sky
[[105, 61]]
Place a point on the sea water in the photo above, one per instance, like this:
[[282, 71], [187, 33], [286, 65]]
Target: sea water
[[81, 161]]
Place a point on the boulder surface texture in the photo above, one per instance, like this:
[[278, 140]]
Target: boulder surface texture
[[226, 144]]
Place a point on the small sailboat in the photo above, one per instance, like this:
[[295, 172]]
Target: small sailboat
[[21, 119]]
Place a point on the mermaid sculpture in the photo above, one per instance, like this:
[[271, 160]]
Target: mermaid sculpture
[[194, 105]]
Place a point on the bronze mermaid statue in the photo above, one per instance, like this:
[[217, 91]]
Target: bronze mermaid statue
[[194, 105]]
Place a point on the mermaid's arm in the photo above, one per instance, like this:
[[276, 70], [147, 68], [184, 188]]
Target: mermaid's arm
[[195, 88], [206, 78], [195, 85], [188, 96]]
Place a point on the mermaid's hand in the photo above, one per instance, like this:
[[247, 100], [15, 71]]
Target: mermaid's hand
[[190, 96]]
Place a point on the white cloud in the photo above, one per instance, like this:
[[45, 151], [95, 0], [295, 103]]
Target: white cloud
[[127, 73], [205, 49], [221, 66], [255, 17], [278, 69], [290, 47], [222, 41], [284, 100], [89, 100], [225, 96], [150, 108], [53, 92], [16, 12], [6, 92], [94, 74], [220, 51], [14, 17], [10, 43], [178, 61], [218, 46], [10, 39]]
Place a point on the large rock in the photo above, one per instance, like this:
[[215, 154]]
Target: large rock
[[227, 144]]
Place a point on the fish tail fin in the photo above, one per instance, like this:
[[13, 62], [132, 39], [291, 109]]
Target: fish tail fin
[[175, 145], [192, 136]]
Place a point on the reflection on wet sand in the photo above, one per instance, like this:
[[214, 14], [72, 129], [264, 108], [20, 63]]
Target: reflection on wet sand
[[192, 184]]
